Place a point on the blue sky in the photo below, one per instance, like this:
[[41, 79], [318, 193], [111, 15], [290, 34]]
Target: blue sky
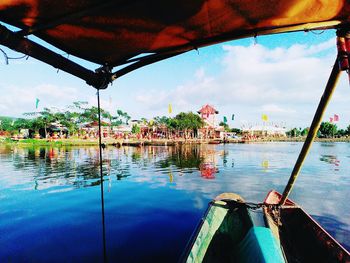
[[282, 76]]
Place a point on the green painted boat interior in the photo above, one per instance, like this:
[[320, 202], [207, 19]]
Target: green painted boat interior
[[228, 234], [259, 245]]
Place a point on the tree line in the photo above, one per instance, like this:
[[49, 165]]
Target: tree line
[[71, 117], [326, 130], [183, 122]]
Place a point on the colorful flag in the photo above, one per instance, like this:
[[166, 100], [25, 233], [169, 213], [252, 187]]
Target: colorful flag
[[265, 164], [37, 103], [336, 117], [170, 109], [225, 119], [264, 117], [330, 119], [233, 117]]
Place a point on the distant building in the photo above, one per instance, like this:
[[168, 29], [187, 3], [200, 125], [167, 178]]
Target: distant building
[[264, 130], [122, 129], [135, 122], [211, 128], [208, 113], [91, 129]]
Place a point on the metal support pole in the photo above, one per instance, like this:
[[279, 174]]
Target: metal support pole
[[327, 94], [101, 178]]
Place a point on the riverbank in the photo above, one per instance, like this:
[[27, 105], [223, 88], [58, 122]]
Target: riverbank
[[111, 142], [296, 139], [153, 142]]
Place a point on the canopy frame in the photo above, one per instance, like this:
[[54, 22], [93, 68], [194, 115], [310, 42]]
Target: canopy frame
[[100, 79]]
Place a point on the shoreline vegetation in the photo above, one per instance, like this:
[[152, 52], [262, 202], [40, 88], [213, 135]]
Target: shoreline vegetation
[[77, 124], [154, 142]]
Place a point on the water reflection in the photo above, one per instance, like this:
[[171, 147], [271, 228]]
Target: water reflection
[[208, 170], [265, 165], [171, 176], [331, 159], [79, 167], [49, 167], [152, 193], [188, 158], [183, 157]]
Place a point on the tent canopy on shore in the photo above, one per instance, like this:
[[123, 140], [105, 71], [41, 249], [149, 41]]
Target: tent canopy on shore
[[267, 130]]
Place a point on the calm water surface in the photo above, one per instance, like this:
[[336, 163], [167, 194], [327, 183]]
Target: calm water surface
[[154, 196]]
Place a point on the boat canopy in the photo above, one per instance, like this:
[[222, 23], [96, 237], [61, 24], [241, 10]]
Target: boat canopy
[[137, 33]]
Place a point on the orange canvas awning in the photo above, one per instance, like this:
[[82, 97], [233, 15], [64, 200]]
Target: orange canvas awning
[[138, 33]]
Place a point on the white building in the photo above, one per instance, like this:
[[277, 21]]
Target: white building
[[265, 130]]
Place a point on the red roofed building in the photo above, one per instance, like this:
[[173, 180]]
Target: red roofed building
[[207, 113], [211, 129]]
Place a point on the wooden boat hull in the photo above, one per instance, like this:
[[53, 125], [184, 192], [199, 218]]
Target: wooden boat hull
[[302, 238], [214, 142], [231, 232]]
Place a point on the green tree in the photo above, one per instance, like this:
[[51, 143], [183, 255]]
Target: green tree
[[172, 124], [91, 114], [225, 125], [135, 129], [121, 118], [144, 121], [294, 132], [21, 123], [44, 119], [327, 129], [236, 130], [7, 124], [347, 131], [37, 123], [78, 105], [71, 121], [341, 133], [75, 111], [161, 120], [304, 132], [188, 122]]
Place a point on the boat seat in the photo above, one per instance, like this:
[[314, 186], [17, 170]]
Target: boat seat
[[259, 245]]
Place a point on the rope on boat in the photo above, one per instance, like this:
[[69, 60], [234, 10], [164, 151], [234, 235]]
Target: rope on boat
[[249, 205], [101, 177], [274, 210]]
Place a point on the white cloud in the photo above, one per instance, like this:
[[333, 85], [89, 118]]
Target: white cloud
[[18, 100], [273, 108], [285, 82]]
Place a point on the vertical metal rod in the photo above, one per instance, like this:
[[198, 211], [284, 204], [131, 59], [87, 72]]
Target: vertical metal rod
[[327, 94], [101, 178]]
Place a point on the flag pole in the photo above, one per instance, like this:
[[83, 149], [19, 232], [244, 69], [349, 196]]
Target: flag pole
[[327, 94]]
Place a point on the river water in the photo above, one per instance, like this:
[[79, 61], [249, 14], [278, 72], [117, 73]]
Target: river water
[[50, 206]]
